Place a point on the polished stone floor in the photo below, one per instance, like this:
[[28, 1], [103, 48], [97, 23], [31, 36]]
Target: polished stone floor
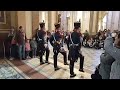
[[9, 70]]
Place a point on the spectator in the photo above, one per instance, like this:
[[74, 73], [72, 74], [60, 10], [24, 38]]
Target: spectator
[[33, 45], [20, 38], [27, 48], [12, 43], [114, 51]]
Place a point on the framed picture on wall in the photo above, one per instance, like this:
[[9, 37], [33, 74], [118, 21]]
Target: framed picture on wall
[[2, 17]]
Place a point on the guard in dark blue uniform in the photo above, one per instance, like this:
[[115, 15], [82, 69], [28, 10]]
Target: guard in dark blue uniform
[[43, 44], [57, 43], [75, 48]]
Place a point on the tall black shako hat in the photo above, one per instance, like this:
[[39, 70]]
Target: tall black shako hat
[[77, 25], [57, 25], [42, 24]]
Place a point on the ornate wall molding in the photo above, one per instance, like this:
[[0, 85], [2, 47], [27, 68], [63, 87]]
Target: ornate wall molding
[[2, 17]]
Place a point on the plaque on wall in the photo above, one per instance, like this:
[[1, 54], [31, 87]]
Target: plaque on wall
[[2, 17]]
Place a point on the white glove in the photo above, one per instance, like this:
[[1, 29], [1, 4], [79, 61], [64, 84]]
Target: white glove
[[46, 45], [67, 37], [61, 49]]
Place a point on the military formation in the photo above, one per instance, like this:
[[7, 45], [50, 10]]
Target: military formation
[[56, 39]]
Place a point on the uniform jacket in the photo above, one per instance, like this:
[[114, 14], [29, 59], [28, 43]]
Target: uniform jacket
[[74, 52], [41, 35], [58, 38]]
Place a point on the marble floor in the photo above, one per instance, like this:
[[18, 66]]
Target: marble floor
[[9, 72], [31, 68]]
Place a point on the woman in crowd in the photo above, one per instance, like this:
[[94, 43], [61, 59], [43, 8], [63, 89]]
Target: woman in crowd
[[33, 45], [12, 43], [27, 48]]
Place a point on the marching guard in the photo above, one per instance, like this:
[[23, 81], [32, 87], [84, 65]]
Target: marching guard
[[56, 42], [42, 43], [75, 49]]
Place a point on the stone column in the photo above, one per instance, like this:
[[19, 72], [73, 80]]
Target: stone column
[[91, 21], [51, 20], [97, 19], [64, 20], [119, 22], [35, 21], [74, 17], [46, 20], [115, 20], [14, 21], [85, 21], [71, 21], [109, 19], [28, 24], [40, 16], [25, 20], [21, 19]]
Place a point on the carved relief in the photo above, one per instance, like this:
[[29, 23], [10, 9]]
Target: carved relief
[[2, 17]]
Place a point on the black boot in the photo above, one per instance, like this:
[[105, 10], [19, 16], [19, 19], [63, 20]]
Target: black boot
[[81, 70], [42, 63], [47, 62], [57, 68], [66, 63], [72, 75]]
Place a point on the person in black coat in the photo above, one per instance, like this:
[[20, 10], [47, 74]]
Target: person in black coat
[[56, 40], [42, 43], [74, 49]]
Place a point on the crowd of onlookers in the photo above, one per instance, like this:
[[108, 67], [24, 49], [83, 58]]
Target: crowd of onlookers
[[18, 46], [97, 41]]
